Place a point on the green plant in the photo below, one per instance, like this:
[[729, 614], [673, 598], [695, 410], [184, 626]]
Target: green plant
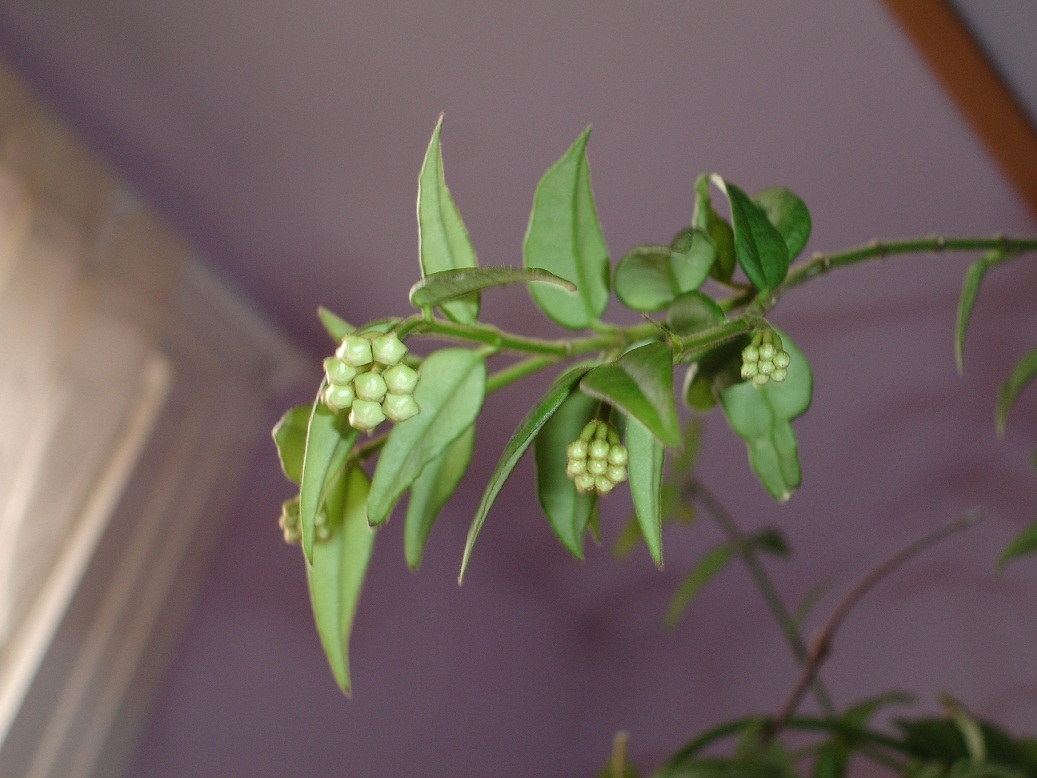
[[611, 417]]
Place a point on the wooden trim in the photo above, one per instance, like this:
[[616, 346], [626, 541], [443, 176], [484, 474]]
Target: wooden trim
[[976, 87]]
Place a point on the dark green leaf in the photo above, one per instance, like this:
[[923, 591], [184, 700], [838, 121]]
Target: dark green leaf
[[931, 738], [336, 326], [443, 242], [450, 394], [438, 288], [707, 568], [431, 490], [1024, 543], [789, 215], [565, 238], [650, 277], [1021, 376], [568, 512], [832, 760], [971, 732], [640, 383], [339, 566], [645, 467], [329, 439], [719, 231], [759, 247], [761, 416], [538, 415], [969, 292], [290, 438]]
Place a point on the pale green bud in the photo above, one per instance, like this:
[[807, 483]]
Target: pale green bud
[[355, 350], [760, 380], [782, 359], [750, 354], [388, 349], [365, 415], [767, 351], [598, 449], [618, 455], [616, 474], [370, 387], [779, 374], [401, 379], [576, 467], [596, 466], [603, 484], [584, 482], [338, 398], [399, 407], [765, 366], [338, 372], [577, 450]]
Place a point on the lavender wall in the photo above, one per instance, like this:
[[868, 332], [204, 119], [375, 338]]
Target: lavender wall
[[285, 142]]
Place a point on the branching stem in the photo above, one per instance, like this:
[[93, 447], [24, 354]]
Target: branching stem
[[821, 644]]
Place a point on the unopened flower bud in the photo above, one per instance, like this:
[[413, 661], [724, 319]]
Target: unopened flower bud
[[370, 387], [401, 379], [365, 415], [338, 398], [388, 349], [399, 407], [355, 350]]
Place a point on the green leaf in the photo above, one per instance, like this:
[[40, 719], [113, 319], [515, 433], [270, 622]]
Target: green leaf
[[431, 490], [565, 238], [443, 242], [1024, 543], [645, 468], [290, 438], [719, 231], [568, 512], [832, 760], [704, 572], [761, 416], [329, 439], [538, 415], [1021, 376], [651, 277], [760, 248], [450, 393], [693, 312], [446, 285], [971, 732], [969, 292], [858, 715], [336, 326], [640, 383], [789, 215], [339, 566]]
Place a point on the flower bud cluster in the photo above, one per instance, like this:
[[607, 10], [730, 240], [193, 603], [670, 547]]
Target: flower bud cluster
[[367, 375], [764, 359], [289, 522], [597, 460]]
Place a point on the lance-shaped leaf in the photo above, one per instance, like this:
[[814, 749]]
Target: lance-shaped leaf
[[761, 416], [564, 237], [450, 392], [520, 440], [446, 285], [789, 215], [969, 292], [761, 250], [704, 572], [336, 575], [329, 439], [651, 277], [640, 383], [290, 437], [336, 326], [645, 469], [1024, 543], [1021, 376], [568, 512], [429, 494], [443, 242]]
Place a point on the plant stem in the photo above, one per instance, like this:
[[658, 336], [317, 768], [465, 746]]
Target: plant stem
[[517, 371], [740, 543], [820, 264], [821, 645]]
